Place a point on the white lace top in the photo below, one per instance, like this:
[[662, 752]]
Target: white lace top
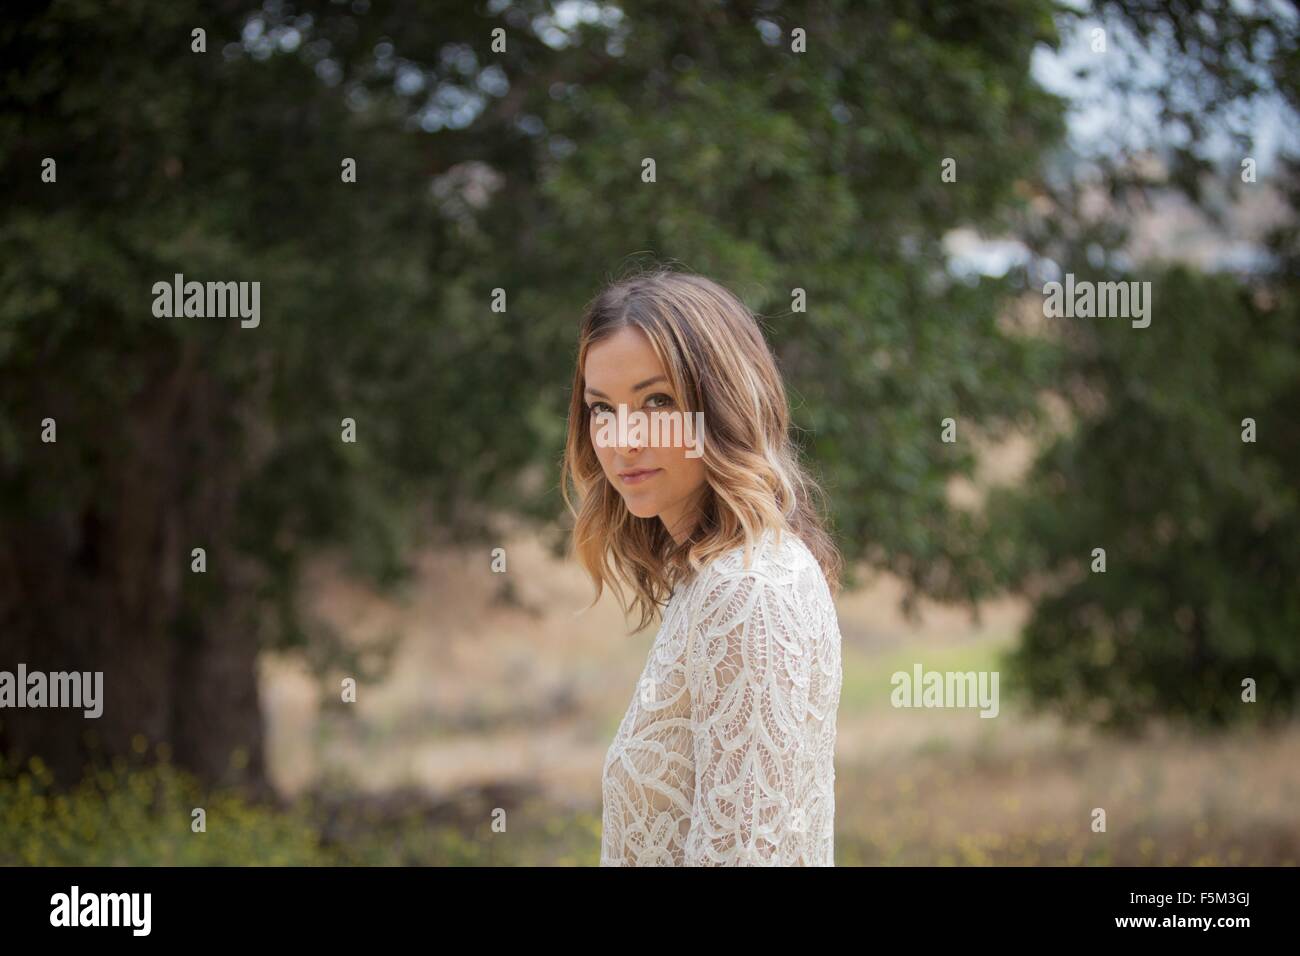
[[726, 755]]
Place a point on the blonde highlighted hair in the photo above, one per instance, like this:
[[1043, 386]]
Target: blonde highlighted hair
[[719, 363]]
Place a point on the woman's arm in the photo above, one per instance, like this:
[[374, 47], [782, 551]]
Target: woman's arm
[[748, 677]]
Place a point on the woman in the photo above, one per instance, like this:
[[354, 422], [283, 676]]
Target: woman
[[725, 755]]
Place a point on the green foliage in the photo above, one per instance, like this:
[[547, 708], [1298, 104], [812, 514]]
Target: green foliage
[[130, 816], [1201, 529], [776, 171], [133, 815]]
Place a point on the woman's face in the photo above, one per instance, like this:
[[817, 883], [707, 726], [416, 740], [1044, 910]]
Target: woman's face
[[624, 378]]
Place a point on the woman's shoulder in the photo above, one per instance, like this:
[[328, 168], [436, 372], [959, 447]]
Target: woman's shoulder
[[775, 557], [780, 579]]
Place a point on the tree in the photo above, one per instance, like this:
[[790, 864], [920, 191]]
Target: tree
[[477, 169], [1182, 456], [1161, 534]]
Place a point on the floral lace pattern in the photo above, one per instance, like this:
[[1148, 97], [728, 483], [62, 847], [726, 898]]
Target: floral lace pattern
[[725, 756]]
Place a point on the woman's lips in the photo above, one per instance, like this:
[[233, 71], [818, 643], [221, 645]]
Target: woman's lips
[[639, 475]]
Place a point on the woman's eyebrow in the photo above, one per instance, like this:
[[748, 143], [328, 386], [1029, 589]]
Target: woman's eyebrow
[[636, 388]]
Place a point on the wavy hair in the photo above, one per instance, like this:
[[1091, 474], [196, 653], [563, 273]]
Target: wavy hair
[[719, 363]]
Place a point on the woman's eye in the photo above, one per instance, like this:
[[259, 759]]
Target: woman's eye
[[659, 400], [599, 408]]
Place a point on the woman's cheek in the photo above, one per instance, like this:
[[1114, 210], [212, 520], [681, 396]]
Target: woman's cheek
[[603, 455]]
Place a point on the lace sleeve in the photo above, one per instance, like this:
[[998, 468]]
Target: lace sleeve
[[749, 677]]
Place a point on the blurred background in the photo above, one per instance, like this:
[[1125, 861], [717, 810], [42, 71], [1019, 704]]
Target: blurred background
[[920, 170]]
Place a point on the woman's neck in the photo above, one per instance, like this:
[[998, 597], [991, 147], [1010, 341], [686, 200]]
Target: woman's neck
[[681, 520]]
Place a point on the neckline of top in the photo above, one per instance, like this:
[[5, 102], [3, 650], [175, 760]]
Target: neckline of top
[[761, 542]]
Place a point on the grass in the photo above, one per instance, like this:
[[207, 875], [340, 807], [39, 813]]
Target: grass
[[867, 677]]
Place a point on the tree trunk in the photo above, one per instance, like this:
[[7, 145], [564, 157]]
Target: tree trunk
[[106, 585]]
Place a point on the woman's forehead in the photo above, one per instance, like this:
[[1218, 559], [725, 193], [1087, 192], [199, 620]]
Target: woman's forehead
[[622, 360]]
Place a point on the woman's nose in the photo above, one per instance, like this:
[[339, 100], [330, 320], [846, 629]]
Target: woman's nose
[[629, 431]]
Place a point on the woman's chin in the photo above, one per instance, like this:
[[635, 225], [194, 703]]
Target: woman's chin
[[642, 509]]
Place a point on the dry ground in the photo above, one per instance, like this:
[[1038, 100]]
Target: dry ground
[[489, 688]]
